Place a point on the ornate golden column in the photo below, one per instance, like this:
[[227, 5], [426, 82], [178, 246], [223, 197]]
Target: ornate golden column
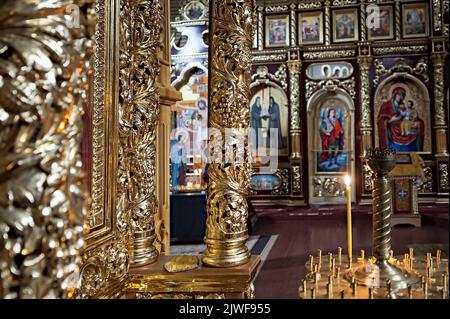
[[295, 125], [364, 63], [231, 30], [42, 191], [138, 119], [440, 125]]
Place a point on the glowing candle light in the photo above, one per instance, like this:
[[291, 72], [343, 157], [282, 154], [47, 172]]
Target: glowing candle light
[[347, 181]]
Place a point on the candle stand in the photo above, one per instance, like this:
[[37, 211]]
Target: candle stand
[[383, 275]]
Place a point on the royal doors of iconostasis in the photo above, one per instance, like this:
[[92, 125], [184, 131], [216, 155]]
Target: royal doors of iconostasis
[[330, 130]]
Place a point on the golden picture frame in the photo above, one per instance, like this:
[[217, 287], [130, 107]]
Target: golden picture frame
[[277, 30], [385, 28], [345, 25], [310, 27], [415, 20]]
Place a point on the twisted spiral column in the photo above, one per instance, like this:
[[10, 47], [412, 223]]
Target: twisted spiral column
[[385, 271], [382, 212]]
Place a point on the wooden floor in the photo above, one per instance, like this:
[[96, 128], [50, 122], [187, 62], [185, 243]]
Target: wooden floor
[[298, 237]]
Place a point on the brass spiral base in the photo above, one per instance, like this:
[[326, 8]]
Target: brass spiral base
[[378, 274], [226, 253], [142, 251]]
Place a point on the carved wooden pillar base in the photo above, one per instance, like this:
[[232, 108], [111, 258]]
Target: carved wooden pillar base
[[226, 252], [295, 145], [366, 140], [154, 282], [142, 251], [441, 141]]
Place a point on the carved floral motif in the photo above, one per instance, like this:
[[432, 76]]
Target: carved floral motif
[[425, 184], [43, 79], [443, 177], [283, 189], [138, 119], [328, 187], [296, 179], [232, 30], [331, 84]]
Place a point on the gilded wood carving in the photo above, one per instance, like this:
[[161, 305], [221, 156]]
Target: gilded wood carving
[[104, 267], [42, 92], [231, 40], [364, 67], [138, 118]]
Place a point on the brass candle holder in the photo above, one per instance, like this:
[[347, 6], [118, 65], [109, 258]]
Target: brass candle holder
[[383, 268], [383, 275]]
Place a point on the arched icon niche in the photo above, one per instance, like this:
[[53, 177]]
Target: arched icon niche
[[330, 144], [269, 118]]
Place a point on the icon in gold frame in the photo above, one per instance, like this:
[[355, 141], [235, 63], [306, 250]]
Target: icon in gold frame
[[310, 26], [415, 21], [277, 30], [384, 29], [345, 25]]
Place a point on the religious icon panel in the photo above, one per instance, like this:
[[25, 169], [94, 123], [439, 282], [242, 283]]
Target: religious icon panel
[[383, 27], [329, 70], [269, 121], [277, 31], [331, 144], [415, 20], [265, 182], [311, 27], [345, 25], [195, 10], [402, 116]]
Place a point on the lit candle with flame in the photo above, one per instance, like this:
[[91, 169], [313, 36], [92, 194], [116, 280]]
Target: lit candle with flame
[[348, 181]]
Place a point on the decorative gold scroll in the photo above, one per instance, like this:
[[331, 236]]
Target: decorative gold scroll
[[43, 79], [231, 40], [138, 118]]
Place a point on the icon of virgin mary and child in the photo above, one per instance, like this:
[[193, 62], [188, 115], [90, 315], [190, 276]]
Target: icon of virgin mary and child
[[399, 125]]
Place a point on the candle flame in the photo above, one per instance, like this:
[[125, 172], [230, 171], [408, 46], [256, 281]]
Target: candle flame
[[347, 180]]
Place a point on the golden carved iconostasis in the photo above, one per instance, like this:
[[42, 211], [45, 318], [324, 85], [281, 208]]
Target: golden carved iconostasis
[[301, 50], [337, 48], [127, 211]]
